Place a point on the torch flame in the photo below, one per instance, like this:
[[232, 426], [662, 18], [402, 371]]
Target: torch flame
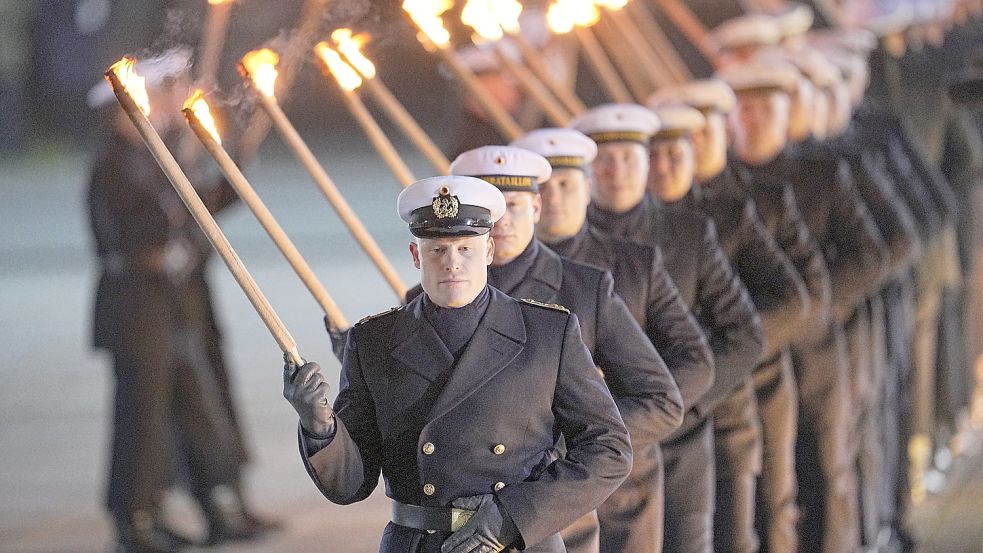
[[489, 17], [346, 76], [426, 15], [563, 15], [261, 66], [351, 47], [197, 104], [134, 84], [220, 2]]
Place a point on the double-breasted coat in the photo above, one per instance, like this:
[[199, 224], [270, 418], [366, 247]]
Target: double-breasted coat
[[524, 380], [630, 517]]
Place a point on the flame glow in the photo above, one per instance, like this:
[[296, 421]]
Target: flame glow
[[489, 17], [346, 76], [197, 104], [563, 15], [220, 2], [611, 4], [261, 66], [351, 47], [134, 84], [426, 15]]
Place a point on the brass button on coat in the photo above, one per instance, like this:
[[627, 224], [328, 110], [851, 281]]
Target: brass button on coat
[[499, 486], [429, 489], [428, 448], [499, 449]]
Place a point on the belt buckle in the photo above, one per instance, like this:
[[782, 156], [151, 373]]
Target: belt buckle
[[459, 517]]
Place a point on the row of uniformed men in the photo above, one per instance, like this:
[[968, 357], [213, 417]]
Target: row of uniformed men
[[738, 305]]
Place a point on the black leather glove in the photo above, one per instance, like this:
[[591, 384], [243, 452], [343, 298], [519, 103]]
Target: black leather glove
[[338, 339], [489, 530], [307, 392]]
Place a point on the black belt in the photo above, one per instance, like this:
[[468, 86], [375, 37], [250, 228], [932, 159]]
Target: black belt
[[431, 519]]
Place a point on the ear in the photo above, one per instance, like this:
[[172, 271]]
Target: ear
[[537, 207], [490, 250], [415, 254]]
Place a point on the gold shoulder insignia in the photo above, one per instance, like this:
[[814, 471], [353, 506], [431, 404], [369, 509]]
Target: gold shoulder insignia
[[553, 306], [378, 315]]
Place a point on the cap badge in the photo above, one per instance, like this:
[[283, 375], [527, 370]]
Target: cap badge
[[445, 205]]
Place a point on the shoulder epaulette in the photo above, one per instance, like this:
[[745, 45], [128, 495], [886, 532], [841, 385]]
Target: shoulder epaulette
[[378, 315], [553, 306]]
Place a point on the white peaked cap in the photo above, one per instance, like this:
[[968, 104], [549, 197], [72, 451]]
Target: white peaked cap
[[508, 168], [617, 123], [448, 206], [704, 94], [561, 147]]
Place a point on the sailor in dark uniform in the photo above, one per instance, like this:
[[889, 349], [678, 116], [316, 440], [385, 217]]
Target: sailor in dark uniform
[[174, 412], [779, 295], [856, 258], [711, 289], [459, 399], [629, 518], [635, 372]]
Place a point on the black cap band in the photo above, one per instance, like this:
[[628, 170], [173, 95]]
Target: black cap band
[[669, 134], [511, 183], [469, 220], [566, 162], [620, 136]]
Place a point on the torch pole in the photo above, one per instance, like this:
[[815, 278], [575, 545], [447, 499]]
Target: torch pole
[[377, 137], [213, 40], [500, 117], [540, 66], [691, 27], [269, 223], [599, 62], [308, 27], [205, 220], [535, 89], [639, 48], [398, 114], [650, 29], [638, 81], [331, 193]]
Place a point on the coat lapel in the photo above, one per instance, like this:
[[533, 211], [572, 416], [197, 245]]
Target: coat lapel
[[421, 357], [498, 340], [543, 281]]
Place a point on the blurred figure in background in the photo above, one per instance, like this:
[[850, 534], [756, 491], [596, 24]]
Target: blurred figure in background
[[174, 413]]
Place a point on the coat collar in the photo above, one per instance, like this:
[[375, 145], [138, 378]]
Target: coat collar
[[416, 344], [543, 281], [499, 339]]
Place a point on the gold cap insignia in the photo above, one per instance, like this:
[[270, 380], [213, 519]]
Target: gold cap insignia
[[445, 205]]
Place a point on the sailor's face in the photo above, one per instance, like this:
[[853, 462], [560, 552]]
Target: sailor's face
[[760, 126], [710, 145], [565, 197], [672, 163], [800, 110], [453, 271], [514, 231], [618, 174]]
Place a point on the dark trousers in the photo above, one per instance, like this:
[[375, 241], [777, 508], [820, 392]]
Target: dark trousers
[[737, 448], [173, 414], [777, 513], [865, 380], [826, 476], [689, 490], [632, 518], [896, 428]]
